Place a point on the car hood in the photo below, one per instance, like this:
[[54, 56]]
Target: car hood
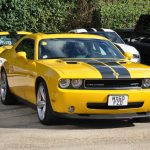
[[92, 68], [128, 48]]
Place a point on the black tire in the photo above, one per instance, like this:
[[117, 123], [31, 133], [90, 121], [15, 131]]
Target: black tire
[[5, 95], [146, 119], [49, 118]]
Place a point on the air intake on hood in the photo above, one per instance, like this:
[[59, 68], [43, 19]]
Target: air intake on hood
[[71, 62]]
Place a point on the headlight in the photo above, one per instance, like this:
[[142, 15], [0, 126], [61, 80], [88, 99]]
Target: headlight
[[76, 83], [146, 83], [64, 83]]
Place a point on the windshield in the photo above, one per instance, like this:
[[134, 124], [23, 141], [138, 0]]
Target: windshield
[[113, 37], [78, 48], [5, 40]]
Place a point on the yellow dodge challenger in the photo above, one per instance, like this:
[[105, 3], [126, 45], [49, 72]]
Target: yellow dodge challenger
[[74, 76]]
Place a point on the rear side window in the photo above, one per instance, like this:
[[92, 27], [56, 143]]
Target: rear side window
[[27, 45]]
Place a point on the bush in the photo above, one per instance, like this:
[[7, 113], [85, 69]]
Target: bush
[[63, 15], [32, 15], [81, 14], [123, 13]]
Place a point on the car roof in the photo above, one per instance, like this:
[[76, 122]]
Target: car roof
[[23, 32], [4, 33], [78, 31], [16, 32], [92, 30], [65, 35], [107, 30]]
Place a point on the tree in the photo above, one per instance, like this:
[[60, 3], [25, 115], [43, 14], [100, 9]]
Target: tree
[[81, 15]]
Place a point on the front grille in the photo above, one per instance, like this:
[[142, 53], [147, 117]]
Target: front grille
[[113, 84], [105, 105]]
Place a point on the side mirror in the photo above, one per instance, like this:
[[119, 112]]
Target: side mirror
[[21, 55], [128, 55]]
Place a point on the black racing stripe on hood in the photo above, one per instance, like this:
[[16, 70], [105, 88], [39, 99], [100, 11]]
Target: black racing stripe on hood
[[122, 71], [103, 69]]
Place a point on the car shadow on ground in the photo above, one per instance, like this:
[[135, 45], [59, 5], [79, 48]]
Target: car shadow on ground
[[21, 116], [96, 124]]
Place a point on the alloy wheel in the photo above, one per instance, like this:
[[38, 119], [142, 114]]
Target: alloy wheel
[[3, 87], [41, 102]]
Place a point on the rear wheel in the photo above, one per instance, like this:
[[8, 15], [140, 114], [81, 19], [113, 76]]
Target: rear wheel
[[6, 97], [44, 109]]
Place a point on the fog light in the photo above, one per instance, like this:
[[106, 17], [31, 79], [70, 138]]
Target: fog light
[[71, 109]]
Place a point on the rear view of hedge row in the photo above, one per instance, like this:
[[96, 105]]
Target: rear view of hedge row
[[54, 15]]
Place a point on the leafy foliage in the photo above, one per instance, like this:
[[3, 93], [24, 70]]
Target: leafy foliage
[[81, 15], [32, 15], [123, 13], [63, 15]]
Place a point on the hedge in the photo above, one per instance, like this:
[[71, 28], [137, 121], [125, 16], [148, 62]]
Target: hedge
[[32, 15], [54, 15], [123, 13]]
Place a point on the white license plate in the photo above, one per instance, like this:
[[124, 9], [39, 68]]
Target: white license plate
[[118, 100]]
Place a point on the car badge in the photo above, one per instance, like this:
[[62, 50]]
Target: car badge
[[116, 74]]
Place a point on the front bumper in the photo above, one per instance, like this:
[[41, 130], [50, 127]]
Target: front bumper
[[61, 100]]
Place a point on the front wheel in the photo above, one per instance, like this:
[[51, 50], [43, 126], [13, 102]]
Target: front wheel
[[44, 108], [6, 97]]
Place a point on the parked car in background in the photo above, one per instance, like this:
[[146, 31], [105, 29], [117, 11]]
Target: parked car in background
[[8, 39], [139, 37], [74, 76], [115, 38], [5, 41]]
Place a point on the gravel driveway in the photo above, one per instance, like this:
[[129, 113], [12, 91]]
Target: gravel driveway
[[21, 130]]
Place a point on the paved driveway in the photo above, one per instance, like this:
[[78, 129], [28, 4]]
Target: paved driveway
[[20, 129]]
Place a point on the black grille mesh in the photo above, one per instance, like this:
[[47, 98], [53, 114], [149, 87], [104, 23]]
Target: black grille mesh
[[113, 84]]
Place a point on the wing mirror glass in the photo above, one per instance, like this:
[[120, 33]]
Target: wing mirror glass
[[21, 55], [128, 55]]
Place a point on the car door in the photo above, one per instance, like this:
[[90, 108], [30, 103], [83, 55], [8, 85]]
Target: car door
[[25, 70]]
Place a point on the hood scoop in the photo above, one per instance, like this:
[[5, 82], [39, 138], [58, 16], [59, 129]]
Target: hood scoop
[[71, 62]]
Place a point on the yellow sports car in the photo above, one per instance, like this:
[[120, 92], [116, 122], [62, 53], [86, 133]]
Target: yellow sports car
[[7, 39], [74, 76]]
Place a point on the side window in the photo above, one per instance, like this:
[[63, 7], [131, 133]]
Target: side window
[[20, 46], [27, 45]]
